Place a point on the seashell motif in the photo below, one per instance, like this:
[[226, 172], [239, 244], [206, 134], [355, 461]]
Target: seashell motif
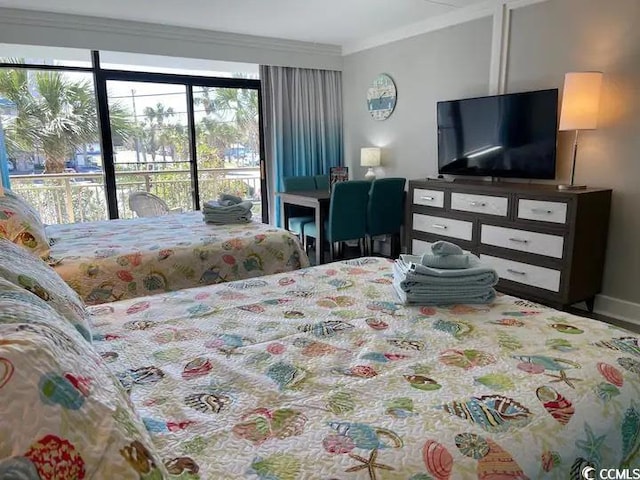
[[140, 376], [550, 460], [33, 286], [508, 342], [170, 354], [381, 281], [108, 357], [125, 275], [622, 344], [180, 465], [197, 367], [165, 253], [138, 307], [560, 344], [207, 402], [564, 328], [263, 424], [55, 458], [422, 383], [532, 368], [293, 314], [139, 325], [611, 374], [333, 302], [283, 282], [57, 390], [437, 459], [255, 308], [338, 444], [464, 309], [286, 375], [522, 313], [363, 436], [494, 413], [606, 391], [549, 363], [416, 345], [385, 307], [6, 371], [498, 463], [358, 262], [341, 402], [495, 381], [326, 329], [376, 323], [155, 281], [361, 371], [456, 328], [509, 322], [246, 284], [466, 359], [340, 284], [630, 431], [472, 445], [630, 364], [382, 357], [314, 349], [428, 311], [400, 407], [280, 466], [556, 404]]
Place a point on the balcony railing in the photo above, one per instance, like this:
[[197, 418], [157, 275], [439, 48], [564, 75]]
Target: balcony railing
[[80, 197]]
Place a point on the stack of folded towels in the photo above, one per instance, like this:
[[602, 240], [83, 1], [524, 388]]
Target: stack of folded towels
[[444, 276], [227, 209]]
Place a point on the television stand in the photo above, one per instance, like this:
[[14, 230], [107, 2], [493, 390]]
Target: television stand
[[547, 245]]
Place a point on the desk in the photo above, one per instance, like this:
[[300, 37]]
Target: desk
[[318, 200]]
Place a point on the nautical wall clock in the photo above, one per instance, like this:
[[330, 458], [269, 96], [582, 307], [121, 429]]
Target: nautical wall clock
[[381, 97]]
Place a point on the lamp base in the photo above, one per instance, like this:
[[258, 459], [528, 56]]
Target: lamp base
[[370, 175], [572, 187]]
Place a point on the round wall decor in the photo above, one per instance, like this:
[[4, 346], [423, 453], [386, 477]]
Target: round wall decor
[[381, 97]]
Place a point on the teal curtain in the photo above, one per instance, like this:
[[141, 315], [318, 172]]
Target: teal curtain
[[4, 160], [302, 113]]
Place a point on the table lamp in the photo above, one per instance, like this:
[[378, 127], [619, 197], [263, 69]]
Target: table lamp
[[580, 105], [370, 157]]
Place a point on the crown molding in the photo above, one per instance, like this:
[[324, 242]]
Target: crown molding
[[461, 15], [10, 17]]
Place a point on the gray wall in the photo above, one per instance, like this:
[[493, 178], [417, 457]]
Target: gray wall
[[546, 40], [434, 66], [558, 36]]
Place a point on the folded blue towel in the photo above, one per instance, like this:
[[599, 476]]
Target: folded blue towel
[[445, 261], [411, 274], [443, 247], [227, 199], [446, 296]]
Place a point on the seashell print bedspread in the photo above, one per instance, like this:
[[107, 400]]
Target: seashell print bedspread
[[122, 259], [320, 373]]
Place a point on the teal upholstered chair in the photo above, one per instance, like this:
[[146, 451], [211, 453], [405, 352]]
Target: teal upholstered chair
[[322, 182], [299, 216], [347, 214], [385, 211]]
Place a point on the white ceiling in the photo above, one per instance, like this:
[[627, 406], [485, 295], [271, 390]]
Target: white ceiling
[[336, 22]]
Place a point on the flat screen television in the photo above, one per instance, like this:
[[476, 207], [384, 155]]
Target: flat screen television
[[511, 135]]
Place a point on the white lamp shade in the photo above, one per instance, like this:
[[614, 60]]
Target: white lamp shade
[[581, 101], [370, 157]]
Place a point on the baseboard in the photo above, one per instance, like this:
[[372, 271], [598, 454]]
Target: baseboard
[[617, 308]]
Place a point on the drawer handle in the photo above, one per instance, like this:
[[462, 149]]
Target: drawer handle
[[516, 272], [541, 211], [437, 225], [518, 240], [477, 204], [430, 199]]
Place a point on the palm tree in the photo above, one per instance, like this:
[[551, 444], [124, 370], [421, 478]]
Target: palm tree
[[157, 135], [54, 114]]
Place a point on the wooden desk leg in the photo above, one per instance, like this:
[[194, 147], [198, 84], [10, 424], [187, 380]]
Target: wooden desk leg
[[285, 214], [321, 214]]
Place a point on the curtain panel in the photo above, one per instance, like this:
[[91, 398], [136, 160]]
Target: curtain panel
[[302, 112]]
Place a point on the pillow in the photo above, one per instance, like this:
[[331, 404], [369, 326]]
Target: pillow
[[29, 272], [21, 224], [64, 415]]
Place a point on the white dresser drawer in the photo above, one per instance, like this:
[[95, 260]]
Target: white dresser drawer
[[523, 240], [429, 198], [443, 226], [533, 275], [555, 212], [480, 204]]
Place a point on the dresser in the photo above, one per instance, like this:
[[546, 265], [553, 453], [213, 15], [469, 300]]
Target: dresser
[[546, 245]]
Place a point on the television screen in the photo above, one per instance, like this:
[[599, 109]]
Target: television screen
[[511, 135]]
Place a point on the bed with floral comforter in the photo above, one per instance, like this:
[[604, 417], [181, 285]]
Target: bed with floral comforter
[[121, 259], [321, 374]]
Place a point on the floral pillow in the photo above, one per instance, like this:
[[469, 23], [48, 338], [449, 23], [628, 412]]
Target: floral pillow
[[64, 416], [21, 224], [29, 272]]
